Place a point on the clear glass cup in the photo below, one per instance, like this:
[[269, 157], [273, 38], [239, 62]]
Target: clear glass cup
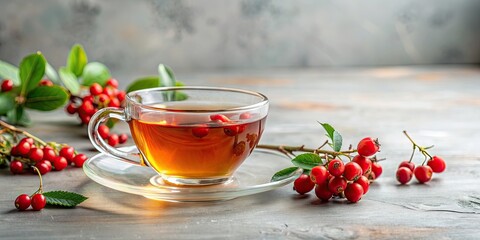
[[189, 135]]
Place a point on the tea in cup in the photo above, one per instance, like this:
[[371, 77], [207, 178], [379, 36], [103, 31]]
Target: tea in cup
[[189, 135]]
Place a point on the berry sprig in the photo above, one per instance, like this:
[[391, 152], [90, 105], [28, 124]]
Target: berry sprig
[[326, 172], [424, 172], [24, 151]]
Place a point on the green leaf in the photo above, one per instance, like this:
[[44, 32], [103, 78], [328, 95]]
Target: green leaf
[[307, 160], [64, 198], [143, 83], [46, 98], [77, 59], [95, 72], [52, 74], [18, 116], [7, 102], [69, 80], [8, 71], [167, 78], [283, 174], [337, 141], [329, 129], [32, 69]]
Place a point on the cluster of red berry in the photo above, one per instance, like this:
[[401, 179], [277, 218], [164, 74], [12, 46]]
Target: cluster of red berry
[[112, 138], [423, 173], [350, 180], [45, 158], [37, 200]]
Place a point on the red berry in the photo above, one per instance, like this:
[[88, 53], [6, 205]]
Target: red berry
[[352, 171], [337, 185], [71, 109], [404, 175], [319, 175], [79, 160], [45, 82], [109, 92], [363, 181], [35, 154], [365, 163], [114, 103], [322, 192], [67, 152], [86, 109], [29, 140], [85, 119], [303, 184], [96, 89], [14, 151], [245, 115], [407, 164], [423, 173], [201, 131], [60, 163], [44, 167], [368, 147], [103, 98], [23, 202], [7, 85], [112, 82], [231, 130], [437, 164], [336, 167], [38, 202], [88, 98], [23, 148], [48, 154], [103, 131], [16, 167], [122, 138], [219, 118], [354, 192], [121, 95], [113, 140], [377, 169]]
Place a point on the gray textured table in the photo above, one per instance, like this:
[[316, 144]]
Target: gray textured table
[[438, 105]]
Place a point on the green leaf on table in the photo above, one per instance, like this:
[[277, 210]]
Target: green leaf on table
[[95, 72], [64, 198], [77, 59], [69, 80], [283, 174], [337, 141], [18, 116], [7, 102], [46, 98], [52, 74], [144, 83], [307, 160], [9, 71], [329, 129], [32, 69]]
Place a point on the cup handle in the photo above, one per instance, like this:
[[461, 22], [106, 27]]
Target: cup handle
[[99, 117]]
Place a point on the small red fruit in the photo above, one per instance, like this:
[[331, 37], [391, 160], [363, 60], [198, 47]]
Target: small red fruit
[[44, 167], [231, 130], [112, 82], [23, 202], [322, 192], [67, 152], [337, 185], [319, 175], [354, 192], [71, 108], [121, 96], [201, 131], [363, 181], [368, 147], [35, 154], [245, 115], [88, 98], [104, 131], [114, 103], [16, 167], [336, 167], [377, 169], [423, 173], [219, 118], [407, 164], [303, 184], [365, 163], [49, 154], [404, 175], [23, 148], [14, 151], [60, 163], [437, 164], [352, 171], [113, 140], [38, 201], [79, 160], [7, 85], [122, 138], [109, 92], [45, 82], [29, 140], [96, 89], [103, 98]]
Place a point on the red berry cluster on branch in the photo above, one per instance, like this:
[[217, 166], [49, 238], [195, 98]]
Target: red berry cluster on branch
[[37, 200], [337, 179]]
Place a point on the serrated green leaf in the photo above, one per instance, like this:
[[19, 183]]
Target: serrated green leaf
[[52, 74], [45, 98], [9, 71], [7, 102], [69, 80], [329, 129], [77, 59], [18, 116], [337, 141], [32, 69], [307, 160], [95, 72], [64, 198], [144, 83], [283, 174]]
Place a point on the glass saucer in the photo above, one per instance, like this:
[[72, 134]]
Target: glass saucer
[[252, 177]]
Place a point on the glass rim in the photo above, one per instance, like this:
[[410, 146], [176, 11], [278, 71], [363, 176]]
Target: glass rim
[[263, 99]]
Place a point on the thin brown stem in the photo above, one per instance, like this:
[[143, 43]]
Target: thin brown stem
[[420, 148], [14, 129], [302, 148], [40, 189]]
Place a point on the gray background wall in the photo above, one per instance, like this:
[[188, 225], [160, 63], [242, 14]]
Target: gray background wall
[[205, 35]]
